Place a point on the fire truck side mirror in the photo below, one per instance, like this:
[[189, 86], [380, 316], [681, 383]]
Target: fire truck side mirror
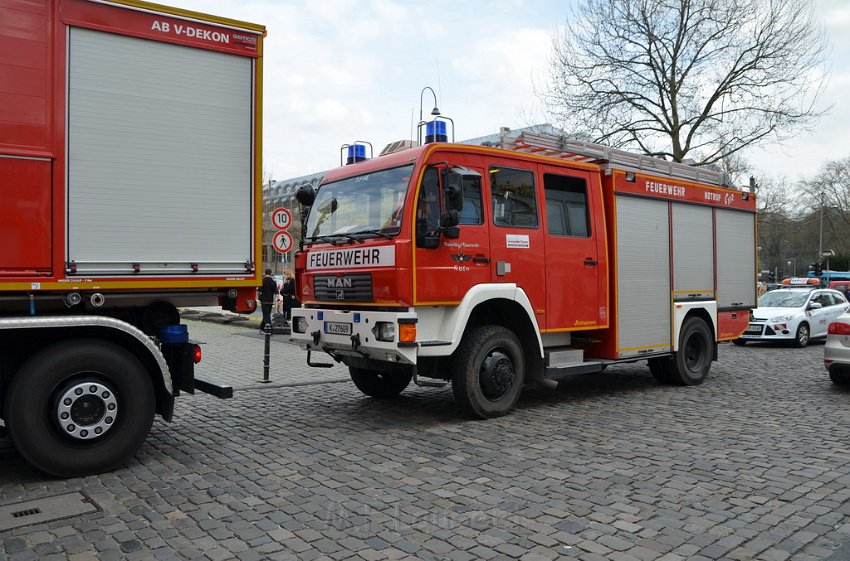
[[305, 195], [453, 186]]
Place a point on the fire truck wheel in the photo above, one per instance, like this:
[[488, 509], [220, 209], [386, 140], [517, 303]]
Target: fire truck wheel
[[380, 385], [661, 369], [739, 342], [488, 369], [80, 407], [693, 360], [801, 339]]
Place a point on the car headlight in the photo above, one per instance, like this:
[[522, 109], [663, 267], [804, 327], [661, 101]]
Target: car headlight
[[783, 318]]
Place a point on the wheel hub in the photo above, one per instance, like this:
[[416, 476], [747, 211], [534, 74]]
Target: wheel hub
[[86, 410], [497, 375]]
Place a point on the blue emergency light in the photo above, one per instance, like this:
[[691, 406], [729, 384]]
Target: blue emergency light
[[435, 131], [356, 152]]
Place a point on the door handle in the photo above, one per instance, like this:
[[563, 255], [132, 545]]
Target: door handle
[[480, 259], [590, 262]]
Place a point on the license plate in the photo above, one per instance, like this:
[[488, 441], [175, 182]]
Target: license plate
[[337, 328], [753, 330]]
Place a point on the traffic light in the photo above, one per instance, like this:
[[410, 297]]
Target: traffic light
[[818, 269]]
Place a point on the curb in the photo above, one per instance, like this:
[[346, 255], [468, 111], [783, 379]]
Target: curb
[[223, 318]]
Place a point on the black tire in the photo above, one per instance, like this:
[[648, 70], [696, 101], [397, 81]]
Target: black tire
[[801, 338], [839, 377], [660, 369], [739, 342], [488, 371], [693, 359], [34, 404], [380, 385]]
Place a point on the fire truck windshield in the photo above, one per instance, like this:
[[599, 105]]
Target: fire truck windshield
[[364, 206]]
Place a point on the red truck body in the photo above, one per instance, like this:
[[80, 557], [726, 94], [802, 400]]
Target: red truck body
[[130, 175]]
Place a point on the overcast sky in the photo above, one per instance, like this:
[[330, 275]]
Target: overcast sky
[[337, 71]]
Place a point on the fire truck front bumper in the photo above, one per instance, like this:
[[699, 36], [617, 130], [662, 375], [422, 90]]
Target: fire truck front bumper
[[373, 335]]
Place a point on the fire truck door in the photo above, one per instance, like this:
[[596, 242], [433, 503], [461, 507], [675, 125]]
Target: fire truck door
[[446, 270], [573, 260], [516, 239]]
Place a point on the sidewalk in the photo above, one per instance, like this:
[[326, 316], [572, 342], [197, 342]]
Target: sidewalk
[[233, 350], [223, 317]]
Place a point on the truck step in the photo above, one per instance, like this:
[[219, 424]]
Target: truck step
[[558, 357], [568, 370]]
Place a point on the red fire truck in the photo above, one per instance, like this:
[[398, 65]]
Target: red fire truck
[[130, 181], [493, 267]]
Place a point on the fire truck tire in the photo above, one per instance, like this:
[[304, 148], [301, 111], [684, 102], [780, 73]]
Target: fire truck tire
[[661, 369], [80, 407], [693, 360], [380, 385], [801, 338], [488, 370], [739, 342]]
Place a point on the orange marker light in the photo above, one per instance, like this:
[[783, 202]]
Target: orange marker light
[[407, 332]]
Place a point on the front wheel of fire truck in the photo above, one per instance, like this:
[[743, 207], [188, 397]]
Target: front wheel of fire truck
[[380, 385], [80, 407], [693, 360], [488, 369]]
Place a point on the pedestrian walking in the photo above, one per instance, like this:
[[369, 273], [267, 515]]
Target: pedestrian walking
[[289, 299], [267, 298]]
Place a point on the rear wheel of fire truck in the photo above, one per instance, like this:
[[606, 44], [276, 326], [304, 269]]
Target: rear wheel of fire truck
[[739, 342], [693, 360], [80, 407], [801, 338], [661, 369], [488, 369], [380, 385]]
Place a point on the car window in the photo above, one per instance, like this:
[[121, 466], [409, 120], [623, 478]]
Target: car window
[[783, 299], [839, 298], [823, 299]]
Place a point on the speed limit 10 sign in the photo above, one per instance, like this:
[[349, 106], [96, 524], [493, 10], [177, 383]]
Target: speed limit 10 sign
[[281, 218], [282, 241]]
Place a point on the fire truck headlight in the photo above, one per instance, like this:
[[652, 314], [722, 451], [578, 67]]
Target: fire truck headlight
[[299, 324], [384, 331]]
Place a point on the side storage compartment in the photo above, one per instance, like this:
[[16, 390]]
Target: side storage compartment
[[736, 260], [643, 276]]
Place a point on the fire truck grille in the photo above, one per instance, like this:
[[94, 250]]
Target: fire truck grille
[[343, 288]]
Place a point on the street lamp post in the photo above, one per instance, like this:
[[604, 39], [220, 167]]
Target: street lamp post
[[789, 263]]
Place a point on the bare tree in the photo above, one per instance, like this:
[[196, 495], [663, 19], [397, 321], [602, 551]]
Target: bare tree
[[829, 193], [696, 79]]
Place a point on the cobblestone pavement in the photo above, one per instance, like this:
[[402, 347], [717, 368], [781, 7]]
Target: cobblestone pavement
[[754, 464]]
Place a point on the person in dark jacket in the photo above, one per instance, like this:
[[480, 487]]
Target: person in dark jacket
[[288, 293], [267, 296]]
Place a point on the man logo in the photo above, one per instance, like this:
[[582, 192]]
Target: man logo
[[339, 282]]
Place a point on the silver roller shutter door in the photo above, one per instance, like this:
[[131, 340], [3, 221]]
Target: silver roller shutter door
[[736, 262], [693, 252], [160, 156], [643, 276]]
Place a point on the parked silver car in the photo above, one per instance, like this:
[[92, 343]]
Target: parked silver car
[[836, 352]]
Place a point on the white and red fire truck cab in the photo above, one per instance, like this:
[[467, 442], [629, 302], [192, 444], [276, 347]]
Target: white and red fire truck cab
[[490, 267]]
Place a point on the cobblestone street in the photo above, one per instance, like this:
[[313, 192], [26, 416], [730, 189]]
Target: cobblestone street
[[754, 464]]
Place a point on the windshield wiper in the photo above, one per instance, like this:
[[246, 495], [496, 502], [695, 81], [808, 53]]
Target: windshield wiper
[[332, 239], [374, 231]]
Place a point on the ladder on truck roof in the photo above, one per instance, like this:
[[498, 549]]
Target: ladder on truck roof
[[582, 151]]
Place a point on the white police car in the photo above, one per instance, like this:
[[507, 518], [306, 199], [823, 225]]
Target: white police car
[[794, 315]]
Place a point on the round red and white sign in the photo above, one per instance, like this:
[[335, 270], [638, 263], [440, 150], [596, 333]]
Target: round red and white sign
[[281, 218], [282, 241]]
